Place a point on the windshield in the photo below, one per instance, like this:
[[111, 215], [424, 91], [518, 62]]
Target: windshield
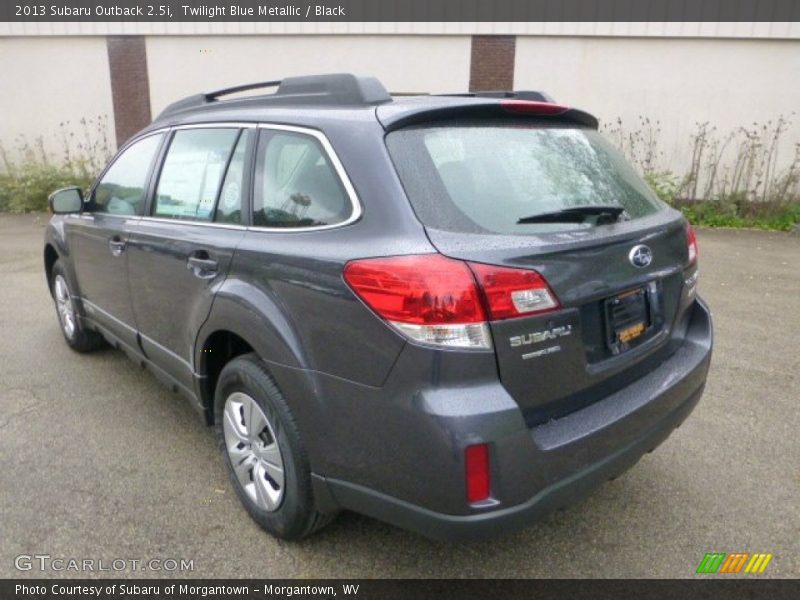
[[485, 176]]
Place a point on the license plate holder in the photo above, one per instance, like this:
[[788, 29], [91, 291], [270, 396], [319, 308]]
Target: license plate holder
[[629, 317]]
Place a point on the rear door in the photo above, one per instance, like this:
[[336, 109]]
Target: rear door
[[182, 249], [481, 188], [98, 238]]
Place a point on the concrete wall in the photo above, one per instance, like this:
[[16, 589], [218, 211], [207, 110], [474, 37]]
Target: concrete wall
[[180, 66], [48, 81], [730, 83]]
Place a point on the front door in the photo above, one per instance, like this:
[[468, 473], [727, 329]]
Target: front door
[[99, 237]]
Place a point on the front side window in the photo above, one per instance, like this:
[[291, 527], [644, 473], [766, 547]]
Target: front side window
[[121, 190], [192, 173], [295, 183]]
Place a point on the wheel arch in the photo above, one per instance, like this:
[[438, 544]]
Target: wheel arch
[[55, 249], [50, 258], [243, 319], [218, 349]]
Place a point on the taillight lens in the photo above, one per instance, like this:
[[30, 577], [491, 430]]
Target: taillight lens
[[445, 302], [476, 460], [429, 298], [513, 292], [691, 240]]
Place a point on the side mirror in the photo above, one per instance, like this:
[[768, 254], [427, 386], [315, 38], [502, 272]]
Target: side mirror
[[66, 201]]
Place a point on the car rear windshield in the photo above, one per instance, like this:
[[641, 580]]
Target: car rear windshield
[[487, 176]]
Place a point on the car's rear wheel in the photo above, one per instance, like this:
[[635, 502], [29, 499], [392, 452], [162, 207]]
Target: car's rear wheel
[[263, 451], [77, 336]]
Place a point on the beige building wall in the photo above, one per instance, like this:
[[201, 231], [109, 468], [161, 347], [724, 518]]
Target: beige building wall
[[728, 82], [47, 81], [180, 66]]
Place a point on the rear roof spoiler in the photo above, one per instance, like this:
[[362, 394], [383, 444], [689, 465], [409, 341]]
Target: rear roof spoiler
[[536, 96], [397, 115]]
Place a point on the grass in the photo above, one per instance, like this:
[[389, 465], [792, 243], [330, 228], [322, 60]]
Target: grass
[[750, 193], [768, 215], [728, 210], [27, 179], [733, 179], [27, 188]]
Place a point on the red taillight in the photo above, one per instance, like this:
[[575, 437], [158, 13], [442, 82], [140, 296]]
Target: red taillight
[[691, 241], [429, 298], [428, 289], [532, 107], [476, 459], [445, 302], [513, 292]]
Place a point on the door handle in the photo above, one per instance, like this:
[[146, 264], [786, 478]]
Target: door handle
[[117, 245], [202, 265]]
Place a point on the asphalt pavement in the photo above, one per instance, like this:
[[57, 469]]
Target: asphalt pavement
[[98, 461]]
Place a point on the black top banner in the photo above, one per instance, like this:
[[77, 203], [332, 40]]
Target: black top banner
[[399, 10]]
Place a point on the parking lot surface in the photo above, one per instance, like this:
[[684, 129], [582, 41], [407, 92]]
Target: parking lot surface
[[98, 461]]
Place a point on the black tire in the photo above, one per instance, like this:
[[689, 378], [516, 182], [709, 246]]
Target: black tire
[[77, 336], [296, 515]]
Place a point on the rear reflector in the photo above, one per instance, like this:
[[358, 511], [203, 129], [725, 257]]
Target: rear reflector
[[445, 302], [691, 240], [462, 335], [476, 459], [513, 292], [532, 107]]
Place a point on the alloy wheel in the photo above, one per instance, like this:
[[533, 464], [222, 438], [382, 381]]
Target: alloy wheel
[[66, 312], [253, 451]]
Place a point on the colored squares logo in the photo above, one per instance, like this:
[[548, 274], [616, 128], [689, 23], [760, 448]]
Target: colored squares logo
[[735, 562]]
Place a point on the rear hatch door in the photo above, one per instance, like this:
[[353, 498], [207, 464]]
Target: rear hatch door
[[614, 323], [480, 188]]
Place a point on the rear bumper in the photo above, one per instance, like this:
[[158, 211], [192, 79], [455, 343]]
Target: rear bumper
[[538, 470]]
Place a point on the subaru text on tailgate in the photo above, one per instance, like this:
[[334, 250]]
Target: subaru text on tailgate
[[453, 313]]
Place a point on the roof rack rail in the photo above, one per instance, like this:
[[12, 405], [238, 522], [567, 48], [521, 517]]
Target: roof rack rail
[[339, 89], [516, 94], [211, 96]]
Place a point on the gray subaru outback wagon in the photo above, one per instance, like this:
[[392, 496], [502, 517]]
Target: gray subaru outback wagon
[[454, 313]]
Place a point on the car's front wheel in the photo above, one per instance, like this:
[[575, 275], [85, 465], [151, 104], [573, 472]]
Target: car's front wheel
[[77, 336], [263, 451]]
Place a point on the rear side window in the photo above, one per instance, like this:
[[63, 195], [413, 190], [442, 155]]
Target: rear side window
[[192, 174], [295, 183], [121, 190], [484, 177]]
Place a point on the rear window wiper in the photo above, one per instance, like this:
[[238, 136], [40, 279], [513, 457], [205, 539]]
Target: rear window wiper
[[576, 214]]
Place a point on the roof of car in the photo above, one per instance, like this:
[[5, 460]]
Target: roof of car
[[328, 95]]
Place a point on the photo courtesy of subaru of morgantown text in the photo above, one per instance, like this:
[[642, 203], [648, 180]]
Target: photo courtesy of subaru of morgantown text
[[453, 313]]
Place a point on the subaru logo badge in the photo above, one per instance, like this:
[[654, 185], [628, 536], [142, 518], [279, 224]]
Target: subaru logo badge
[[640, 256]]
